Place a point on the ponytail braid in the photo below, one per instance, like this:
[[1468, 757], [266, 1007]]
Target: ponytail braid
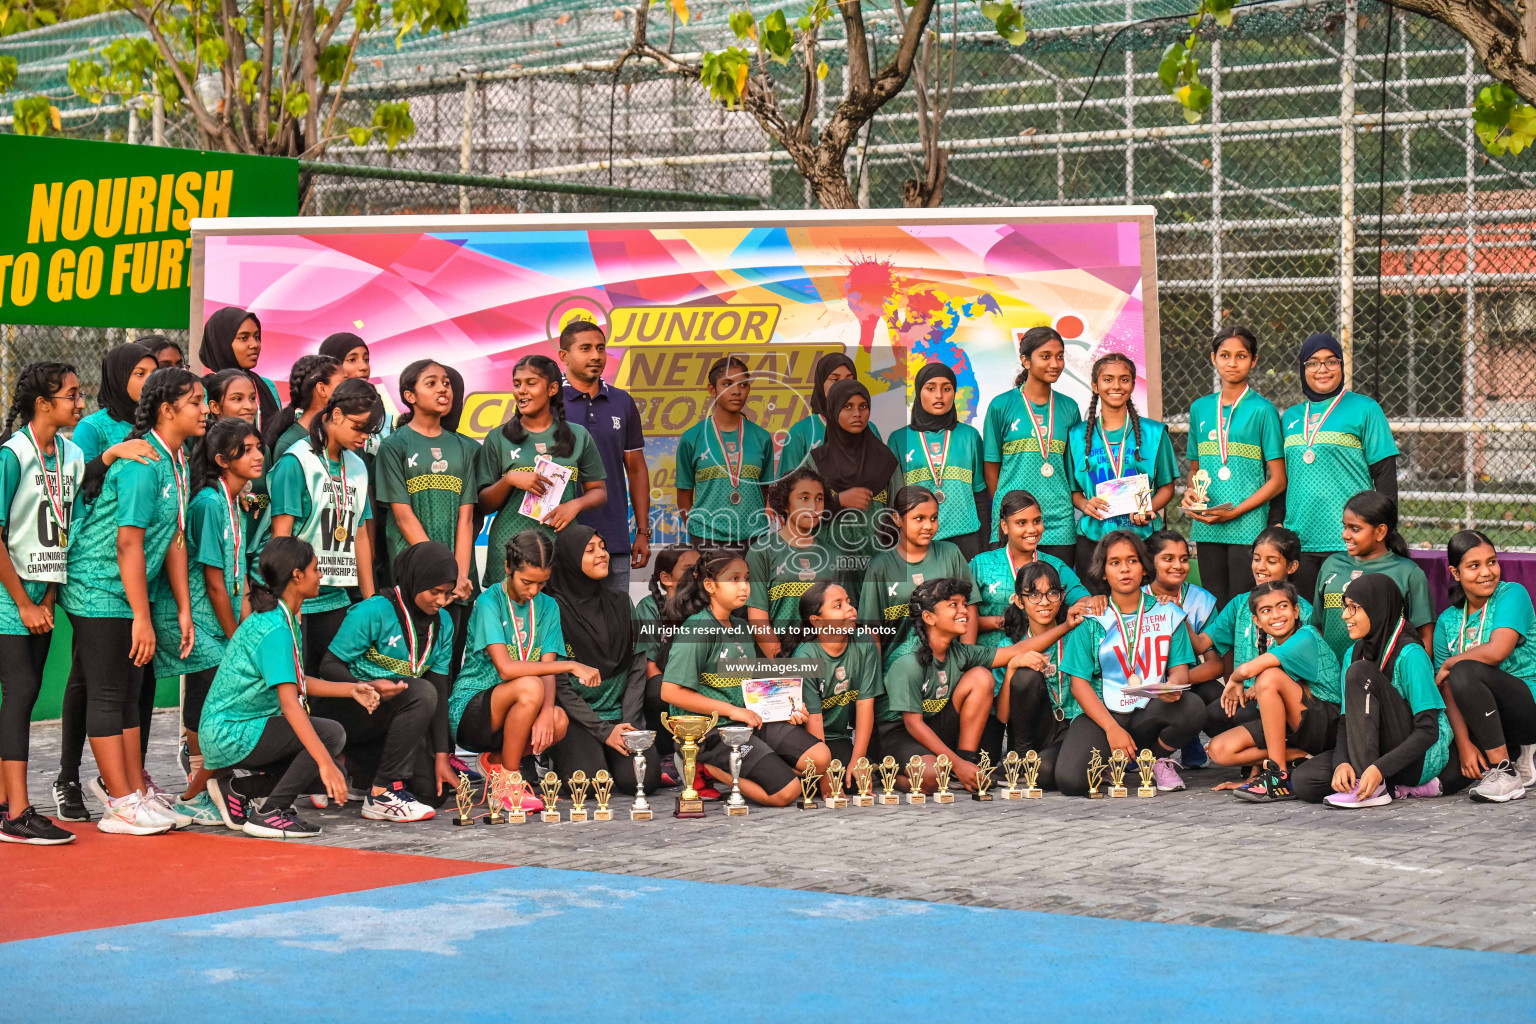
[[1092, 424], [514, 431], [1130, 407], [308, 373], [565, 437]]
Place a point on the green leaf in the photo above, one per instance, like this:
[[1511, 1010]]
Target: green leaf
[[778, 42], [359, 135], [297, 103], [396, 122], [250, 71], [8, 69], [332, 63], [1195, 98], [213, 51], [804, 22], [743, 24], [34, 115], [1221, 11], [1168, 67], [990, 9], [724, 74], [1010, 25]]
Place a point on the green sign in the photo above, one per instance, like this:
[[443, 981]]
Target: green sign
[[95, 234]]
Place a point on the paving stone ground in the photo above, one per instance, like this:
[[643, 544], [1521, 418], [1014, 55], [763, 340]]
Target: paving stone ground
[[1442, 872]]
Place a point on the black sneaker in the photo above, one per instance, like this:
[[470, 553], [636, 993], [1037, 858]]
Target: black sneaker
[[1271, 785], [278, 823], [232, 806], [34, 830], [69, 801]]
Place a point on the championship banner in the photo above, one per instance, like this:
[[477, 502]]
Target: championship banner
[[892, 289]]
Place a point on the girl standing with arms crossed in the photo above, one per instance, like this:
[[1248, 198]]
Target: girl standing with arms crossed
[[232, 341], [1026, 437], [1234, 434], [1371, 545], [944, 455], [40, 475]]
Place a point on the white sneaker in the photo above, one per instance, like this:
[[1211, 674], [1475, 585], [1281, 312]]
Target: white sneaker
[[396, 804], [1499, 786], [127, 816], [156, 810], [1525, 765]]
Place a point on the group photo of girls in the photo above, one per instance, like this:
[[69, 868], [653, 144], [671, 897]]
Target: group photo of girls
[[306, 563]]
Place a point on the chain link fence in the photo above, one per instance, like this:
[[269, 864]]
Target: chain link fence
[[1336, 185]]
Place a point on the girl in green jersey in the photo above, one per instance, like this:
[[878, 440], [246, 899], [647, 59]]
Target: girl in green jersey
[[944, 455], [1371, 545], [310, 383], [232, 341]]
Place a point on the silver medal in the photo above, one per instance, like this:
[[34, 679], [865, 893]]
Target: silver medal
[[1046, 469], [1309, 456], [1224, 473]]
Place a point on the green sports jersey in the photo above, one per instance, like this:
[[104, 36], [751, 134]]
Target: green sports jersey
[[1012, 441], [805, 434], [98, 432], [995, 575], [647, 620], [1337, 573], [919, 453], [1413, 676], [911, 686], [1355, 436], [1153, 456], [373, 644], [1457, 630], [260, 657], [781, 573], [291, 485], [434, 475], [1253, 439], [496, 620], [1306, 657], [1232, 629], [694, 660], [499, 456], [1092, 649], [844, 680], [295, 433], [890, 580], [701, 468], [10, 486], [210, 542]]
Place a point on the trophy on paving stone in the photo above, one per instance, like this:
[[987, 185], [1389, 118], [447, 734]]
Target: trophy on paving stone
[[464, 797], [736, 737], [835, 775], [1032, 790], [1012, 765], [984, 770], [495, 791], [602, 786], [1118, 762], [1096, 768], [863, 779], [888, 771], [689, 731], [942, 767], [550, 787], [579, 784], [810, 784], [639, 741], [915, 769], [516, 788], [1144, 762]]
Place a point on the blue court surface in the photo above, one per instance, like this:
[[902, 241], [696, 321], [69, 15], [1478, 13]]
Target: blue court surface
[[547, 945]]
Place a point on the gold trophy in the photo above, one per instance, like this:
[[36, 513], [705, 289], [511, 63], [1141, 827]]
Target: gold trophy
[[835, 775], [1012, 765], [1118, 762], [1196, 497], [984, 770], [915, 769], [863, 779], [888, 771], [1032, 790], [579, 783], [941, 771], [495, 790], [515, 789], [550, 787], [688, 730], [810, 785], [1096, 768], [602, 786], [464, 797], [1144, 762]]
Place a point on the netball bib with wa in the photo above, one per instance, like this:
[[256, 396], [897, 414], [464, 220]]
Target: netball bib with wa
[[335, 505], [1135, 651]]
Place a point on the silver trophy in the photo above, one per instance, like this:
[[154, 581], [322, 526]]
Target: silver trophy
[[736, 737], [639, 741]]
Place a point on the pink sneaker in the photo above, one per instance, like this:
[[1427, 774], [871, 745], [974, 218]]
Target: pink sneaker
[[1349, 802], [1166, 775], [1428, 789], [531, 803]]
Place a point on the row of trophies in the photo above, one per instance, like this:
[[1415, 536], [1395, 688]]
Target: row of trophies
[[504, 791]]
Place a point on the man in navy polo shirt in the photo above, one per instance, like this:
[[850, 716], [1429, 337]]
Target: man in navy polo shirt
[[613, 420]]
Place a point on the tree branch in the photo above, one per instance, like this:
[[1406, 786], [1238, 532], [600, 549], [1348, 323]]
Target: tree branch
[[1493, 31], [206, 123], [264, 91]]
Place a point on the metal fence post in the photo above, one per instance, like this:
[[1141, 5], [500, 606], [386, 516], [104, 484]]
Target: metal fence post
[[157, 122], [1217, 296], [1469, 342], [1347, 188], [469, 135]]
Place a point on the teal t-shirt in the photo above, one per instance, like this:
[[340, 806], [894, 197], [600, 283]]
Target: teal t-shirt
[[1307, 658], [911, 686], [994, 574], [10, 480], [491, 622], [1012, 441], [209, 543], [1340, 569], [1508, 608], [98, 432], [701, 468], [890, 580], [1153, 456], [498, 456], [1355, 436], [647, 620], [290, 497], [1253, 438], [780, 574], [1413, 676], [807, 433], [1083, 654], [1232, 629], [373, 645], [960, 465], [843, 681], [258, 659], [133, 494], [694, 660]]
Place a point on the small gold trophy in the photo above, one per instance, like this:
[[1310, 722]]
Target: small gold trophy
[[888, 771], [1096, 768], [863, 779], [1144, 762], [1012, 765], [495, 790], [550, 787], [464, 797], [915, 769], [516, 788], [810, 785], [1197, 496], [1118, 763], [1032, 790], [984, 770], [942, 767], [688, 730], [835, 775], [579, 784], [602, 786]]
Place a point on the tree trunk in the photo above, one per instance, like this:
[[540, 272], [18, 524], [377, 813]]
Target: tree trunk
[[831, 188], [929, 193]]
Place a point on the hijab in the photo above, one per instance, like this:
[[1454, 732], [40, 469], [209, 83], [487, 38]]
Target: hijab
[[116, 367], [824, 367], [421, 567], [339, 344], [456, 381], [594, 617], [924, 420], [849, 460], [1382, 602], [216, 352], [1314, 344]]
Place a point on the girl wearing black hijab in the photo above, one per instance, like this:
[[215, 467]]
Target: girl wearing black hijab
[[398, 641], [940, 453], [232, 341], [1394, 739], [596, 622], [859, 473], [1337, 444], [809, 432], [351, 354]]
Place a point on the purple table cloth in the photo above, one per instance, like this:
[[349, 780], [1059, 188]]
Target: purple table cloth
[[1518, 567]]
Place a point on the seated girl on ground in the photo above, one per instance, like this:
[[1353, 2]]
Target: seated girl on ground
[[841, 697], [1037, 701]]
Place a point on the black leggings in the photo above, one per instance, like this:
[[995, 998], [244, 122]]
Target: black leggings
[[1226, 570], [1082, 555], [1066, 553], [387, 745], [581, 751], [193, 695], [1160, 727], [665, 745], [113, 685], [1497, 707], [319, 630], [1305, 579], [279, 752], [1032, 722], [22, 657], [968, 543], [73, 715]]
